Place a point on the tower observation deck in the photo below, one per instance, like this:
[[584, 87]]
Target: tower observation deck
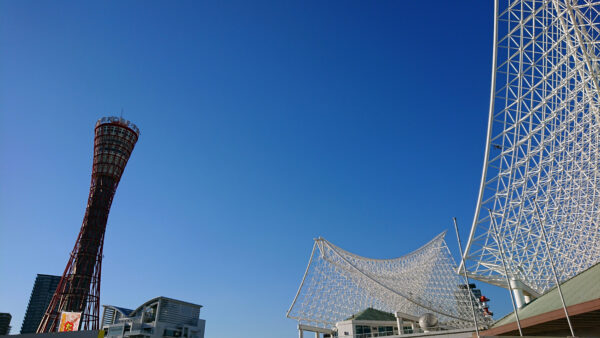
[[79, 287]]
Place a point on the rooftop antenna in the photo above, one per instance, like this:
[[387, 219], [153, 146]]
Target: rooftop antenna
[[121, 112]]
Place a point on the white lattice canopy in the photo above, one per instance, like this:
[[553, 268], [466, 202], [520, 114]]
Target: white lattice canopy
[[338, 284], [543, 149]]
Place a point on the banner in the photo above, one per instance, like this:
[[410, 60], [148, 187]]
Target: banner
[[69, 321]]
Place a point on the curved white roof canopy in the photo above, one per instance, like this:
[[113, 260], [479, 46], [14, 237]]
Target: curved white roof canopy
[[338, 284], [541, 171]]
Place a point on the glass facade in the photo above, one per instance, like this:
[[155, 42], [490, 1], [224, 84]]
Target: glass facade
[[367, 331], [41, 294]]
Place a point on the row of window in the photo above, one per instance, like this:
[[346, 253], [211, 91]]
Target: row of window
[[365, 331], [110, 159], [172, 333], [120, 330], [108, 169], [108, 129], [111, 150], [115, 140]]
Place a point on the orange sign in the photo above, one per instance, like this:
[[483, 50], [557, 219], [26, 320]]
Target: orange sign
[[69, 321]]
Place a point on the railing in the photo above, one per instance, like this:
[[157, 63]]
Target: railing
[[120, 120]]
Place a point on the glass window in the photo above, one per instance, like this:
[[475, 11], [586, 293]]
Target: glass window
[[362, 331], [115, 330], [172, 333], [385, 331]]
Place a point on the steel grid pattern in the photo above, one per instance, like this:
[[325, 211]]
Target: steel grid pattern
[[542, 145], [79, 286], [338, 284]]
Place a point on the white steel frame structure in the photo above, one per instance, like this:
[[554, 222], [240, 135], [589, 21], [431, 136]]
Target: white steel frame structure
[[543, 146], [338, 284]]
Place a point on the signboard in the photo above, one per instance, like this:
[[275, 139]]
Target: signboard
[[69, 321]]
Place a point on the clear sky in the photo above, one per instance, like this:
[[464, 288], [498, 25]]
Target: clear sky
[[263, 126]]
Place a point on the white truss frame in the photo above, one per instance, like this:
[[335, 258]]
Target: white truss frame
[[543, 145], [338, 284]]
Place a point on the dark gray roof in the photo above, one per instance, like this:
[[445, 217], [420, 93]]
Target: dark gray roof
[[123, 310], [373, 314], [139, 308]]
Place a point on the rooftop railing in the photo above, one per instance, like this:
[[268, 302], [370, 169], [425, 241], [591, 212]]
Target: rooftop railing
[[119, 120]]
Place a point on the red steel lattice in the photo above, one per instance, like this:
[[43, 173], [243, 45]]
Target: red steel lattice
[[79, 287]]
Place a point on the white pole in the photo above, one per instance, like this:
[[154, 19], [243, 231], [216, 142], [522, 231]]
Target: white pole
[[512, 300], [562, 299], [400, 323], [466, 278], [517, 288]]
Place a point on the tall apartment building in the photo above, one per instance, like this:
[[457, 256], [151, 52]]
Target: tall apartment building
[[42, 293], [5, 323]]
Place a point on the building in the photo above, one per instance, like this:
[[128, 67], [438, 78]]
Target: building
[[43, 289], [376, 323], [157, 318], [545, 316], [5, 323], [476, 292], [79, 288], [368, 323]]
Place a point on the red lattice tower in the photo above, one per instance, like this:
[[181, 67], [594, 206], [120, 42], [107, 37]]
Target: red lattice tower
[[79, 287]]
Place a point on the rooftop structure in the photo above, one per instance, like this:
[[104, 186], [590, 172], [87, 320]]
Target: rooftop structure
[[338, 284], [41, 294], [79, 287], [373, 323], [539, 198], [157, 318], [5, 323]]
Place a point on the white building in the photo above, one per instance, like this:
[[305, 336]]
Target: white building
[[157, 318], [375, 323], [368, 323]]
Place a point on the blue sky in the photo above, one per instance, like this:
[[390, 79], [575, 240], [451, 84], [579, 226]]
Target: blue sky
[[264, 125]]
